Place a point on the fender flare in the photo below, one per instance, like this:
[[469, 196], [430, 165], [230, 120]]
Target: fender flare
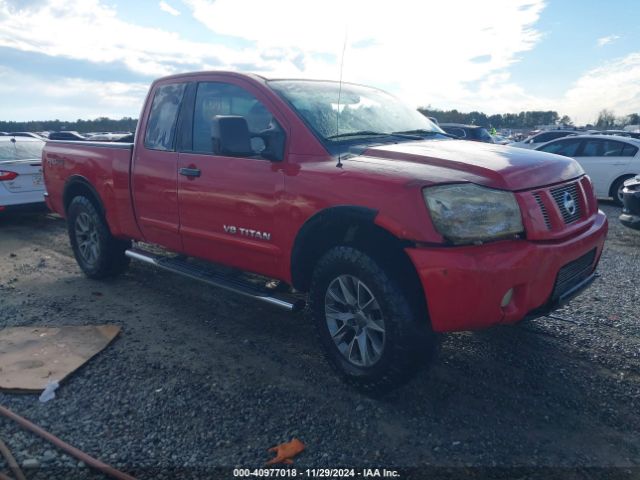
[[344, 215], [74, 180]]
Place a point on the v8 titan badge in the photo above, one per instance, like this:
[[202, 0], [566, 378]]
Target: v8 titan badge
[[247, 232]]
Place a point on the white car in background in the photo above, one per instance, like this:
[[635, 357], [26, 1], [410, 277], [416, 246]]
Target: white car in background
[[21, 185], [543, 137], [609, 160]]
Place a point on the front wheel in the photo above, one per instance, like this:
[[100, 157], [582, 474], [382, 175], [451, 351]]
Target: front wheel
[[97, 252], [371, 332], [617, 187]]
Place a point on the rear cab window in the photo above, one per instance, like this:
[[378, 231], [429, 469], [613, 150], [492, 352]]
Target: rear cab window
[[161, 126]]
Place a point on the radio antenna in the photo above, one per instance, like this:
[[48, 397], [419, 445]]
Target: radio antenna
[[344, 47]]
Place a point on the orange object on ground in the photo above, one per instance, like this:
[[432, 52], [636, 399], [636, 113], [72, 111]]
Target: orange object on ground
[[286, 451]]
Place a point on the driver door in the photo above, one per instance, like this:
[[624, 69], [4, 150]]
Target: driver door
[[228, 202]]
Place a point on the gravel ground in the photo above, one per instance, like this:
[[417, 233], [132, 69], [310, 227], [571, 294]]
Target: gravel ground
[[201, 378]]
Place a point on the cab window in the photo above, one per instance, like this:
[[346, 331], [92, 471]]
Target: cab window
[[215, 99], [161, 127]]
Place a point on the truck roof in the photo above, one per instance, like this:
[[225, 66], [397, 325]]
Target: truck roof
[[253, 76]]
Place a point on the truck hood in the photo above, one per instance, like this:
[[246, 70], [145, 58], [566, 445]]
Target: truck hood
[[448, 161]]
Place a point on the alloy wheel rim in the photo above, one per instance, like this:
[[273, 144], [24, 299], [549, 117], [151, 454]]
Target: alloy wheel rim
[[355, 321], [87, 238]]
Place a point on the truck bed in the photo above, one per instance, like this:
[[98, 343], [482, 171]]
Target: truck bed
[[102, 166]]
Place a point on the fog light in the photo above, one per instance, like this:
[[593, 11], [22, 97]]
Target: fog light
[[506, 300]]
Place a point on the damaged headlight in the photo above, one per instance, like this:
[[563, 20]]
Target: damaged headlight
[[468, 213]]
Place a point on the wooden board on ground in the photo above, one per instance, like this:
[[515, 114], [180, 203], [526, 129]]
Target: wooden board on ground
[[31, 356]]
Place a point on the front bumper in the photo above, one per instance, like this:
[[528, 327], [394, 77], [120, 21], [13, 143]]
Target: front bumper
[[630, 216], [465, 286]]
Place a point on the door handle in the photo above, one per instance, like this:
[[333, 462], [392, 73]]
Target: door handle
[[189, 172]]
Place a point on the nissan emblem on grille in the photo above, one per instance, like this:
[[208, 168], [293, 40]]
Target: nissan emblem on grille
[[569, 203], [567, 198]]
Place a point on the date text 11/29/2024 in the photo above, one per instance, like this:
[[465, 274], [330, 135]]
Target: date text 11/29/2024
[[328, 473]]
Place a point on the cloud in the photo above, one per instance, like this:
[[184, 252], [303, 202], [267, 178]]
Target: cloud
[[386, 47], [426, 54], [165, 7], [88, 30], [602, 41], [613, 86], [66, 98]]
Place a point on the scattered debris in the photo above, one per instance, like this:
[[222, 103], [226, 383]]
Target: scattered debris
[[286, 451], [33, 463], [33, 356], [49, 392], [11, 461]]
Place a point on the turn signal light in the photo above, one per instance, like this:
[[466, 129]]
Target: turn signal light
[[5, 175]]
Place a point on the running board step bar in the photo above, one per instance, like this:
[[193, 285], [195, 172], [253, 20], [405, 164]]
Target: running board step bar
[[186, 269]]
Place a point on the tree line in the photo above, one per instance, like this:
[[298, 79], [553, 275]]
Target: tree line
[[523, 120], [102, 124], [526, 120]]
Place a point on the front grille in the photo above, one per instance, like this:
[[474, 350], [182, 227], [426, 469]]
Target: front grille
[[543, 209], [573, 273], [568, 201]]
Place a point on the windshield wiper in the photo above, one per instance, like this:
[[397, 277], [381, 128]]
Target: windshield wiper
[[421, 131], [357, 134], [366, 133]]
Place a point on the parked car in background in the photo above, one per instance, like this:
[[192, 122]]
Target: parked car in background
[[25, 134], [108, 137], [608, 160], [67, 135], [543, 137], [622, 133], [500, 140], [467, 132], [631, 203], [21, 185]]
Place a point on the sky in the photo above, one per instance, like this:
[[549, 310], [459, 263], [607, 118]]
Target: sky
[[70, 59]]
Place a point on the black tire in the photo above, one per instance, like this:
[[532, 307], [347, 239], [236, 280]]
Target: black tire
[[409, 342], [108, 258], [616, 187]]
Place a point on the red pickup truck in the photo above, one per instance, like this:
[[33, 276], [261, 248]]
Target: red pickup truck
[[359, 207]]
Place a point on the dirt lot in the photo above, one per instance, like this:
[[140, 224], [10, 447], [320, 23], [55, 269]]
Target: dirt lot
[[201, 378]]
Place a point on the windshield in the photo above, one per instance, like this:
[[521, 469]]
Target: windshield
[[20, 150], [363, 111]]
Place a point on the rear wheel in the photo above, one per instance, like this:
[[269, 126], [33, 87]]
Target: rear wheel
[[97, 252], [371, 332]]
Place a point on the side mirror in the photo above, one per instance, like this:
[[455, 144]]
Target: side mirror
[[273, 139], [230, 136]]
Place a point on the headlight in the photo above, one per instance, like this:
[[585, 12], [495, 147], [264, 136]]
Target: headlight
[[468, 213]]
